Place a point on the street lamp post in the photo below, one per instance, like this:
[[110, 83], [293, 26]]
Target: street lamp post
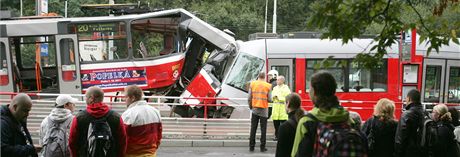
[[274, 17], [266, 10]]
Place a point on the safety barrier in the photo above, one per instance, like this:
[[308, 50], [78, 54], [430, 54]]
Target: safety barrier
[[157, 101], [173, 127]]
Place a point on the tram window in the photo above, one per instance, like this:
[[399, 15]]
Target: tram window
[[359, 79], [367, 80], [454, 85], [335, 67], [30, 46], [432, 83], [101, 41], [153, 37], [3, 66], [67, 52], [380, 78], [146, 45], [245, 69]]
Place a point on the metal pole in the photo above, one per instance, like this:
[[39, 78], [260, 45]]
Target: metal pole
[[65, 12], [21, 8], [274, 17], [266, 10], [37, 7]]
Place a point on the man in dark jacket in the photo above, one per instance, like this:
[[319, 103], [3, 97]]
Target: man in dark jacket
[[96, 109], [16, 140], [288, 128], [407, 137]]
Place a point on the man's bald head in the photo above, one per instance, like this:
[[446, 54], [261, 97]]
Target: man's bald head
[[280, 80], [21, 99], [94, 94], [20, 106]]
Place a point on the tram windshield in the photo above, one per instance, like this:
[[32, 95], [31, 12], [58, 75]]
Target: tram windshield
[[245, 69]]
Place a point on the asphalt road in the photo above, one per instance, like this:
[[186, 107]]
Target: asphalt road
[[213, 152]]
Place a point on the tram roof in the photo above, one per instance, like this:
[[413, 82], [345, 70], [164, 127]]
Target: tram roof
[[322, 48], [36, 27], [99, 18], [451, 51]]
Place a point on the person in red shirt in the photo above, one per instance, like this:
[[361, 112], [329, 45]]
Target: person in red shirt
[[96, 109]]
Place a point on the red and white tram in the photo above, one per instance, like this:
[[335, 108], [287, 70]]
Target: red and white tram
[[162, 52], [406, 66], [159, 51]]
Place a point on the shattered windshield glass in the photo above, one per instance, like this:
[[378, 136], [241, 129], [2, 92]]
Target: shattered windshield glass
[[245, 69]]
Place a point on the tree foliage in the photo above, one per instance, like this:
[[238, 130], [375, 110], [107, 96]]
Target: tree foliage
[[437, 22], [240, 16]]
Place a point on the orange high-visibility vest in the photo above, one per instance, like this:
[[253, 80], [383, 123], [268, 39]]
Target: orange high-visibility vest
[[259, 91]]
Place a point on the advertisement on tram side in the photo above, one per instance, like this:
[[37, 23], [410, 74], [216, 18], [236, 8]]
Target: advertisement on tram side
[[114, 77]]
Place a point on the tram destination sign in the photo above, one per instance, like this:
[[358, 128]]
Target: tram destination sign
[[97, 27]]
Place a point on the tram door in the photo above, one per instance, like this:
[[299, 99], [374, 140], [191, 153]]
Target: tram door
[[441, 81], [68, 62], [284, 68], [6, 75], [452, 87]]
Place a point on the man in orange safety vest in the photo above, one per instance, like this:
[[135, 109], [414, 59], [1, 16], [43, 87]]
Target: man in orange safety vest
[[259, 96]]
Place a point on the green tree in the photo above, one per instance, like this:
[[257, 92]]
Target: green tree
[[437, 22]]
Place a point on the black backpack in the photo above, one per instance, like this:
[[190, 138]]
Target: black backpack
[[99, 140], [428, 135]]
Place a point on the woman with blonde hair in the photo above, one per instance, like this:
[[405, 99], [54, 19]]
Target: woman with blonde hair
[[380, 129], [445, 143]]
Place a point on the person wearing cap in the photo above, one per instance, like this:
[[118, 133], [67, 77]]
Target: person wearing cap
[[60, 116]]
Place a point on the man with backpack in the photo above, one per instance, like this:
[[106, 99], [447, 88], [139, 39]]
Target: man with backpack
[[98, 130], [54, 129], [327, 130], [408, 132], [142, 123]]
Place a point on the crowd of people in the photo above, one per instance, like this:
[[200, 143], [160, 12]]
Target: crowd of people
[[331, 130], [328, 129], [95, 131]]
